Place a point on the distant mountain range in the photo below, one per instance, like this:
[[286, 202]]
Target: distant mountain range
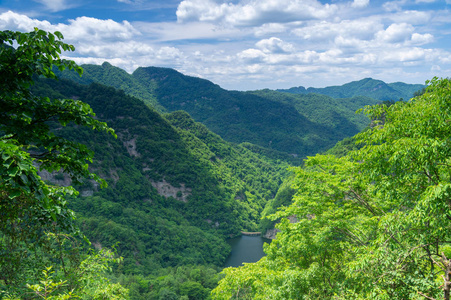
[[296, 123], [368, 87]]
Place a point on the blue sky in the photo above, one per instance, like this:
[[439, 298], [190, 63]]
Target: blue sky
[[252, 44]]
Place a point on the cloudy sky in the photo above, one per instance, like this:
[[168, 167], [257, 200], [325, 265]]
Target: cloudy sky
[[252, 44]]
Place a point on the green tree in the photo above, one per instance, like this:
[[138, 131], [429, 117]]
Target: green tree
[[29, 207], [373, 224]]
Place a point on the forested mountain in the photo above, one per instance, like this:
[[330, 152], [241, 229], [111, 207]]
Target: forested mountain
[[176, 190], [368, 220], [300, 125], [368, 87], [188, 187], [189, 164]]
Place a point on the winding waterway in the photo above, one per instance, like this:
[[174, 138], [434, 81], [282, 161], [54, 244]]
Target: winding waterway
[[245, 249]]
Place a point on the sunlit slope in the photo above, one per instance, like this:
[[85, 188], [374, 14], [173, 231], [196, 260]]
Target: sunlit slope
[[176, 190]]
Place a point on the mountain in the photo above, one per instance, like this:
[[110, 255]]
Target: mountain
[[193, 164], [176, 190], [300, 125], [368, 87], [109, 75]]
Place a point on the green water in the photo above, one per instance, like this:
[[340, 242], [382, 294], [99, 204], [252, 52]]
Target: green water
[[245, 249]]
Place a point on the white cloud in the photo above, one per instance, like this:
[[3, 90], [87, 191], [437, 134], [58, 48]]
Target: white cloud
[[360, 3], [81, 29], [253, 12], [251, 56], [394, 5], [363, 29], [395, 33], [12, 21], [412, 17], [264, 43], [275, 45], [421, 39], [270, 28], [91, 29]]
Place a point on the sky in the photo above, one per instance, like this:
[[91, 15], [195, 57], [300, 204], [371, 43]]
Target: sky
[[252, 44]]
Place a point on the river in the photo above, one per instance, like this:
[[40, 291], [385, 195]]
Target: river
[[245, 249]]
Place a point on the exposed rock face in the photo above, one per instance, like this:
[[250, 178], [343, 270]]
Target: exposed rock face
[[131, 147], [271, 233], [55, 178], [63, 179], [167, 190]]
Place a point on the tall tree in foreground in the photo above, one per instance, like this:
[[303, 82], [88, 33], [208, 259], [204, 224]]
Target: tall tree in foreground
[[34, 218], [374, 224]]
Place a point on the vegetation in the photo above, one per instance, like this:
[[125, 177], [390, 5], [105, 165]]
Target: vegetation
[[36, 224], [372, 224], [176, 190], [365, 220], [292, 125]]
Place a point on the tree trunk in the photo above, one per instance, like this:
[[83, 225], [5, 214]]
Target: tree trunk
[[446, 278]]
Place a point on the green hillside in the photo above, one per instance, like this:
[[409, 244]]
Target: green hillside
[[176, 190], [368, 87], [298, 126], [109, 75]]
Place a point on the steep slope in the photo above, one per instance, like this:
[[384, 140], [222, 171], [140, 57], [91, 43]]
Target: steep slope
[[248, 117], [239, 117], [368, 87], [176, 190], [338, 115], [109, 75]]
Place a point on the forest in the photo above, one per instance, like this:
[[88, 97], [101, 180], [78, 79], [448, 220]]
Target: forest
[[127, 186]]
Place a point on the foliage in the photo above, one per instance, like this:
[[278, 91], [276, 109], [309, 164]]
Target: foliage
[[373, 224], [35, 221], [87, 281], [286, 125], [221, 188], [183, 282], [109, 75], [28, 206]]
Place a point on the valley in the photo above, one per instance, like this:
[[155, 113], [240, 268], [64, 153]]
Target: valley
[[192, 166]]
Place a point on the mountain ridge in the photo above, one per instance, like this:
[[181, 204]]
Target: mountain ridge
[[369, 87], [264, 119]]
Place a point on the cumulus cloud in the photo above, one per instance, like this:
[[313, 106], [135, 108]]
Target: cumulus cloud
[[421, 39], [98, 40], [86, 28], [253, 12], [396, 33], [13, 21], [275, 45], [363, 29], [396, 5], [246, 44], [81, 29]]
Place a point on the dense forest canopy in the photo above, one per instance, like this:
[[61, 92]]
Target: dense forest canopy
[[372, 224], [297, 124], [40, 244], [141, 208]]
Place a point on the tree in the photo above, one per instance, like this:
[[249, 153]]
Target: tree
[[373, 224], [29, 207]]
